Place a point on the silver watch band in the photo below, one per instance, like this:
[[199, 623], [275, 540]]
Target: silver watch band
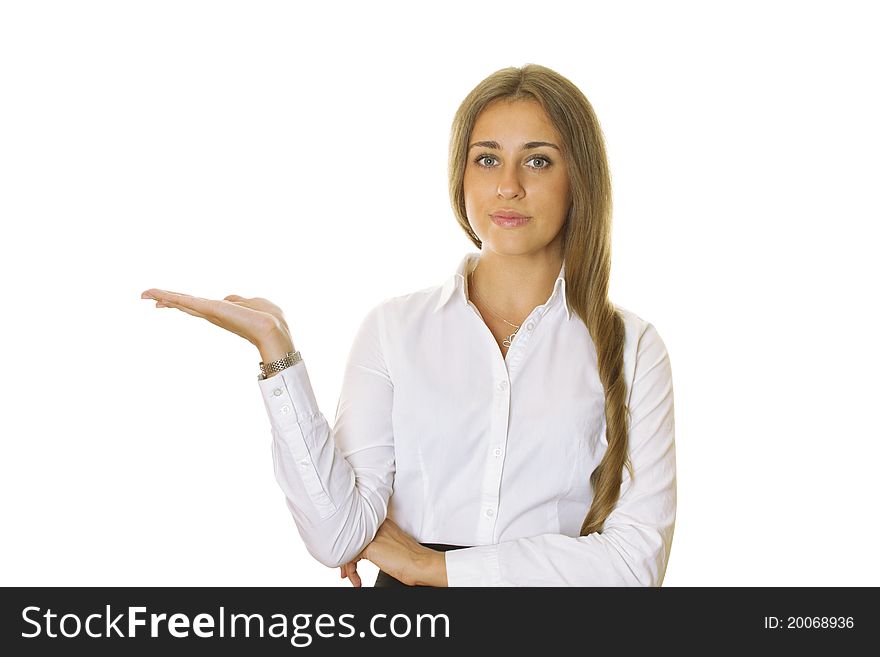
[[290, 358]]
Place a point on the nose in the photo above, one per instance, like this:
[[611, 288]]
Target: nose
[[509, 185]]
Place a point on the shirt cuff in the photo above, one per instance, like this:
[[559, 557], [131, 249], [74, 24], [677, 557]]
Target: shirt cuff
[[474, 566], [288, 395]]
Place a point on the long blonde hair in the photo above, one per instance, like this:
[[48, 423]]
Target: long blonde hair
[[586, 242]]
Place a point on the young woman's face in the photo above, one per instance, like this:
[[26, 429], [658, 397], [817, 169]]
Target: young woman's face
[[515, 165]]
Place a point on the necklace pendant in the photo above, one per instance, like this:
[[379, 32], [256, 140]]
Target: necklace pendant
[[509, 340]]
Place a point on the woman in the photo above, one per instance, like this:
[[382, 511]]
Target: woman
[[510, 427]]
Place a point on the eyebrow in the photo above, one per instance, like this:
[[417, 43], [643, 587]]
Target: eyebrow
[[525, 147]]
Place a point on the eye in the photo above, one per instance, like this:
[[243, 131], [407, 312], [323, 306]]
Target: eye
[[546, 161], [480, 159]]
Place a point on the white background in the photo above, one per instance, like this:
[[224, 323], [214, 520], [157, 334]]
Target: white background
[[297, 151]]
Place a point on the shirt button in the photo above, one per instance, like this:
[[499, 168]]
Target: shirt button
[[277, 392], [285, 410], [497, 451], [490, 513], [530, 326], [502, 385], [304, 464]]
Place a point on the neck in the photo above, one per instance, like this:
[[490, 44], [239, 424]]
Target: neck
[[515, 285]]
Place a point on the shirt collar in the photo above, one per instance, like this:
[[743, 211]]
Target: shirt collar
[[455, 285]]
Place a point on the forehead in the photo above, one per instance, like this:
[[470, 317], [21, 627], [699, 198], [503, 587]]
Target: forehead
[[518, 118]]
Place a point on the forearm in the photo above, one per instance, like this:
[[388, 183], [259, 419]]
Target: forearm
[[335, 510], [619, 556], [432, 571]]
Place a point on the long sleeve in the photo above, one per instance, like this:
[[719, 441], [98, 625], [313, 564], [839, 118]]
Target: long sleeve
[[633, 548], [337, 482]]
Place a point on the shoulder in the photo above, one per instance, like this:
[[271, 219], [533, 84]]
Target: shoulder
[[391, 324], [408, 307], [640, 333], [645, 351]]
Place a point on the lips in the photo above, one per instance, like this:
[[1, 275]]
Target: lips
[[508, 214], [508, 219]]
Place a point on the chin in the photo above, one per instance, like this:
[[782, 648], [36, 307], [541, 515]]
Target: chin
[[510, 248]]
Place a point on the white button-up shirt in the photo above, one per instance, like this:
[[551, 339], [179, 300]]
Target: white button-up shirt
[[461, 445]]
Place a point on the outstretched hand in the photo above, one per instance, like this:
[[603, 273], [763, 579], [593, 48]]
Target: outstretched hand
[[257, 320]]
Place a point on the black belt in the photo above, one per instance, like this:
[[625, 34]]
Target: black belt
[[384, 579]]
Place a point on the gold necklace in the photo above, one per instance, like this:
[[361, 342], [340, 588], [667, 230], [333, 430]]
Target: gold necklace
[[509, 339]]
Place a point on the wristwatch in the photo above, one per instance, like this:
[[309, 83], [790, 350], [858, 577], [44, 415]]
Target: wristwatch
[[290, 358]]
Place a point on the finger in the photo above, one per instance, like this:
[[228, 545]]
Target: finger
[[353, 576], [194, 303], [195, 306], [170, 304], [241, 301], [155, 293]]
